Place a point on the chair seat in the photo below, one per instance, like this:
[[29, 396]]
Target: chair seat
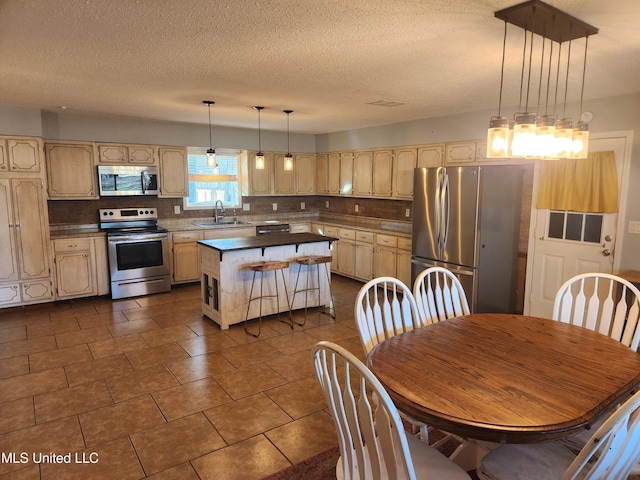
[[542, 461], [314, 259], [429, 464], [267, 266]]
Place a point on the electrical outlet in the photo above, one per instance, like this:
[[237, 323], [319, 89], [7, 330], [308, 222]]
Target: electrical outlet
[[407, 212], [302, 205], [275, 206], [176, 209], [634, 226], [246, 207], [326, 204], [356, 208]]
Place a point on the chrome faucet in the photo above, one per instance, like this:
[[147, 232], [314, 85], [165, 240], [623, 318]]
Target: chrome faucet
[[218, 216]]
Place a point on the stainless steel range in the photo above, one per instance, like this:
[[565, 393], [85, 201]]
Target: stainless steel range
[[138, 251]]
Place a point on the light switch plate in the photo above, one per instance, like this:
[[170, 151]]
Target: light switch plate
[[302, 205], [356, 208], [407, 212], [275, 206], [634, 226]]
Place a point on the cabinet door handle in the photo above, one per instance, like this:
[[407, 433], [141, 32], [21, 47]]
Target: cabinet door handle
[[73, 245]]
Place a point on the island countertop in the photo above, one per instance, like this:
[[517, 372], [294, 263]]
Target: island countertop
[[264, 241]]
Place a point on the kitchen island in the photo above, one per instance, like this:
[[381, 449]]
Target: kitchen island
[[226, 279]]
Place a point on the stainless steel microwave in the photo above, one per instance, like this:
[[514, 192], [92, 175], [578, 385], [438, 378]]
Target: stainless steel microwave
[[127, 180]]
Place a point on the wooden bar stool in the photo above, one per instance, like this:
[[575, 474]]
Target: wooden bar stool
[[263, 267], [313, 261]]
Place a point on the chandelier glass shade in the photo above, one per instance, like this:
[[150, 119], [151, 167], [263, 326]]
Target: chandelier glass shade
[[260, 154], [538, 134], [211, 153]]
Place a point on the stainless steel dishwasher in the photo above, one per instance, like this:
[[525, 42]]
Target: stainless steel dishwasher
[[272, 228]]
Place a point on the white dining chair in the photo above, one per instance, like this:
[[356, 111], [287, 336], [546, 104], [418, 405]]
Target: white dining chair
[[603, 303], [384, 307], [611, 453], [372, 440], [439, 295]]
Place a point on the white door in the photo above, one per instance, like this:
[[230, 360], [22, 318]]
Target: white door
[[564, 244]]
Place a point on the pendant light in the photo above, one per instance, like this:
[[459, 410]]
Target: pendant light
[[260, 154], [211, 153], [288, 158], [536, 135]]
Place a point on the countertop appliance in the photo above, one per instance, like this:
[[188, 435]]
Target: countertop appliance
[[138, 251], [118, 180], [467, 219], [272, 228]]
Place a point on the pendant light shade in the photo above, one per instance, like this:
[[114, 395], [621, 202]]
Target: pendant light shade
[[540, 135], [211, 153], [260, 154], [288, 158]]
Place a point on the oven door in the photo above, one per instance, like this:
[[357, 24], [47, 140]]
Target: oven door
[[138, 255]]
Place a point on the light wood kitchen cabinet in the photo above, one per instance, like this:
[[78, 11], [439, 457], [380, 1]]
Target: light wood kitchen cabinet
[[431, 155], [322, 171], [260, 182], [103, 275], [25, 269], [404, 164], [334, 174], [75, 267], [364, 255], [20, 154], [403, 261], [230, 232], [346, 173], [304, 169], [346, 252], [332, 231], [116, 154], [299, 228], [381, 173], [185, 256], [284, 180], [174, 178], [386, 255], [363, 173], [460, 153], [71, 172]]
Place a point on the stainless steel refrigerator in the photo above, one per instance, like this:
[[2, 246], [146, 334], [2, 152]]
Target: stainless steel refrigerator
[[467, 219]]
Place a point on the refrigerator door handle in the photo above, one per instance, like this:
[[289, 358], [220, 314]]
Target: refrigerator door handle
[[438, 212], [445, 211]]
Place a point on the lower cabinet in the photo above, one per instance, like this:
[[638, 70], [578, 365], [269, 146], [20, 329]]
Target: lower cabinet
[[185, 256], [75, 265], [364, 255], [81, 267], [403, 262]]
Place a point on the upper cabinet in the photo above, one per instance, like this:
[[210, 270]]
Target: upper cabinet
[[346, 173], [404, 163], [381, 173], [20, 155], [174, 177], [116, 154], [284, 180], [304, 170], [430, 155], [363, 173], [71, 171], [334, 173], [322, 170], [258, 181]]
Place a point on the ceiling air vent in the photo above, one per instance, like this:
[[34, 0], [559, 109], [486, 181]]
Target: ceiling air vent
[[386, 103]]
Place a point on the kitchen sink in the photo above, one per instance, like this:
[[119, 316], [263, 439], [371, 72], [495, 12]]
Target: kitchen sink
[[218, 224]]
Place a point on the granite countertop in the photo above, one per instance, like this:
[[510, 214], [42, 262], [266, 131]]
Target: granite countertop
[[370, 224], [264, 241]]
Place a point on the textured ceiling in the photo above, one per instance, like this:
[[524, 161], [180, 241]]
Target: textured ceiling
[[326, 60]]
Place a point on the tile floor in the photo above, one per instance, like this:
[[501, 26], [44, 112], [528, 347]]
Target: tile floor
[[149, 388]]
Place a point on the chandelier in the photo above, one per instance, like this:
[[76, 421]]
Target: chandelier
[[541, 134]]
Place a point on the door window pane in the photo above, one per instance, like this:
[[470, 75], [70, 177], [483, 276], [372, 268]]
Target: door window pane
[[574, 226], [592, 228], [556, 225]]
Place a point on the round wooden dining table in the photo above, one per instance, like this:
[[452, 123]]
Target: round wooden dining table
[[505, 378]]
